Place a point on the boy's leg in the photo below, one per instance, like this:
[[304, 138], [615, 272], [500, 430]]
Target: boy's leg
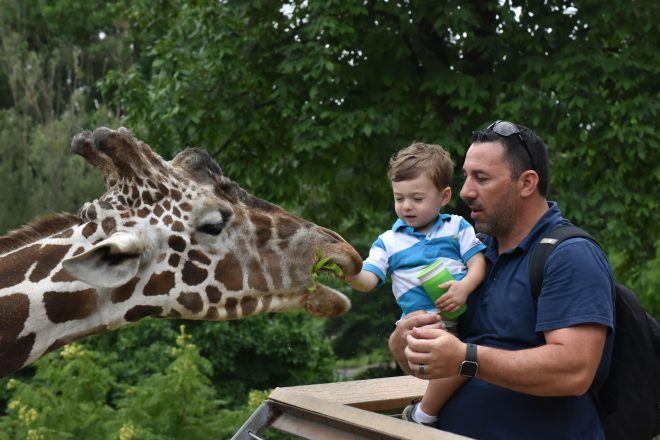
[[438, 393]]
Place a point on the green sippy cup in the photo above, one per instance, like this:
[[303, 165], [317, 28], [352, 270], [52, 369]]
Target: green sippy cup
[[433, 275]]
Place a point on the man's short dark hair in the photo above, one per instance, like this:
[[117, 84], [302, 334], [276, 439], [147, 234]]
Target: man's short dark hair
[[518, 158]]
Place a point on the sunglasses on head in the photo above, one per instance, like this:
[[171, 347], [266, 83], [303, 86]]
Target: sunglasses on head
[[506, 129]]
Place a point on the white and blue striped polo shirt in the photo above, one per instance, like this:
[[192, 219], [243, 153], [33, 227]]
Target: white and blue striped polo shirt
[[403, 252]]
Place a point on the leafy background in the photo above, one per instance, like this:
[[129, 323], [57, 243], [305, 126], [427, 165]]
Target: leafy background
[[303, 103]]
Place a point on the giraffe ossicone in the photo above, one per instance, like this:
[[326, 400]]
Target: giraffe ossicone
[[174, 239]]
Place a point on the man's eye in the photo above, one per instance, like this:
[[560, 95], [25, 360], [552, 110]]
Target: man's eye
[[212, 228]]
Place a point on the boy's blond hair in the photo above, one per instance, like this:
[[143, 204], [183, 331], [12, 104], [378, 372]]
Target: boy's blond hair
[[410, 162]]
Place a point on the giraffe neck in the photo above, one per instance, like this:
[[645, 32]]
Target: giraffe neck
[[41, 306]]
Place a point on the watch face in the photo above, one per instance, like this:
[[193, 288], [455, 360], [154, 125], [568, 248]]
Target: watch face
[[469, 368]]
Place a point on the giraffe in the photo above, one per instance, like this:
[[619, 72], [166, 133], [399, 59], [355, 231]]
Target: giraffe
[[174, 239]]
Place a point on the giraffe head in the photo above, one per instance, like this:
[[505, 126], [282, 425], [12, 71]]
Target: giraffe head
[[179, 239]]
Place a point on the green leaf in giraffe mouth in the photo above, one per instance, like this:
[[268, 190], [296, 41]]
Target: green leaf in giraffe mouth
[[324, 264]]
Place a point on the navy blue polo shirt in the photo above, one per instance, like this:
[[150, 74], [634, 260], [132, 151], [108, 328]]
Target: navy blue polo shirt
[[578, 288]]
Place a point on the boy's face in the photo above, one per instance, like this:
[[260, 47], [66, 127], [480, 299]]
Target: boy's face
[[418, 201]]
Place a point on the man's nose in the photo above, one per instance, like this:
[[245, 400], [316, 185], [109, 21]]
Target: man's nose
[[467, 191]]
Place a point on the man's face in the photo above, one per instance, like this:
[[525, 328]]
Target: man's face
[[489, 190]]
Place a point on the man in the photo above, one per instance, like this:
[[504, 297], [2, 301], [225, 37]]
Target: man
[[531, 362]]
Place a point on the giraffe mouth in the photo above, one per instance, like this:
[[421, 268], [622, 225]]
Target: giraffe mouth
[[321, 300], [325, 301]]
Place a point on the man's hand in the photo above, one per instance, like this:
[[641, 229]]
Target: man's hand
[[398, 338], [439, 351]]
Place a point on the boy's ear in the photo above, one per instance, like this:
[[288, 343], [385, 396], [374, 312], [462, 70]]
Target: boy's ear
[[446, 195]]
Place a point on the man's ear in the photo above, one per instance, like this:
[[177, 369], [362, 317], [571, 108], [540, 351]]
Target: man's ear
[[528, 183], [111, 263]]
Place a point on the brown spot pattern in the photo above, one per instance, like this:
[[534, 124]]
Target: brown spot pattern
[[256, 278], [69, 306], [177, 243], [139, 312], [49, 257], [14, 310], [263, 226], [122, 293], [109, 225], [228, 272], [193, 275], [89, 229], [15, 353], [230, 308], [159, 284], [198, 256], [15, 265], [211, 314], [286, 227], [62, 276], [191, 301], [248, 305], [213, 294], [174, 260]]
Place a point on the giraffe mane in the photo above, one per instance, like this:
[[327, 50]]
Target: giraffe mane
[[40, 228]]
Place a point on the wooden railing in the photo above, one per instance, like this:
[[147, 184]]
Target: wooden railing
[[360, 409]]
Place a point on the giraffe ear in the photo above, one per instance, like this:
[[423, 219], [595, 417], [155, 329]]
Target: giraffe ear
[[111, 263]]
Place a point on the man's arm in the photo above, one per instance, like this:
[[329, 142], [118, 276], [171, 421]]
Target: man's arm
[[565, 365]]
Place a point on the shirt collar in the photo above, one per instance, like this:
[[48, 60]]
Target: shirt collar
[[401, 226], [548, 220]]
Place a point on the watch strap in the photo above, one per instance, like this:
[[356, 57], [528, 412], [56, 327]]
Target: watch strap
[[469, 367]]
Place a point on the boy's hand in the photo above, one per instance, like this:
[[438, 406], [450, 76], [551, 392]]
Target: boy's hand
[[454, 298]]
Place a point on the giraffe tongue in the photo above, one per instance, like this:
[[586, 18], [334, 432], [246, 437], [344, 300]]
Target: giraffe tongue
[[325, 301]]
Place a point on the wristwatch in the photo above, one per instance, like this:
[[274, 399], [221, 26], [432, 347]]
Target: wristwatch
[[469, 366]]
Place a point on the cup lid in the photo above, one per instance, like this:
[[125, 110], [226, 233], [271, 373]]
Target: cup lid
[[430, 268]]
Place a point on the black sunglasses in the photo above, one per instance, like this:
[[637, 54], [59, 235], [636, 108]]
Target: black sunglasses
[[506, 129]]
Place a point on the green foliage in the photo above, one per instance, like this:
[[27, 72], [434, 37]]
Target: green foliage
[[38, 173], [66, 398], [289, 348], [70, 397]]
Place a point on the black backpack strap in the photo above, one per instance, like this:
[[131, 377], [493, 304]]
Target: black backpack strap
[[545, 247]]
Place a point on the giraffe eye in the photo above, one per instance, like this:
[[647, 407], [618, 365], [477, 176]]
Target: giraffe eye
[[212, 228]]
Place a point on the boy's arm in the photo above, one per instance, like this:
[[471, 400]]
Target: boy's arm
[[459, 290], [476, 272], [365, 281]]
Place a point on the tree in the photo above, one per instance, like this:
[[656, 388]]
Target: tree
[[317, 96], [76, 393]]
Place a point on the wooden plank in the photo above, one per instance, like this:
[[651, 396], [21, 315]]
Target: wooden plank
[[302, 427], [385, 394], [260, 420], [358, 422]]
